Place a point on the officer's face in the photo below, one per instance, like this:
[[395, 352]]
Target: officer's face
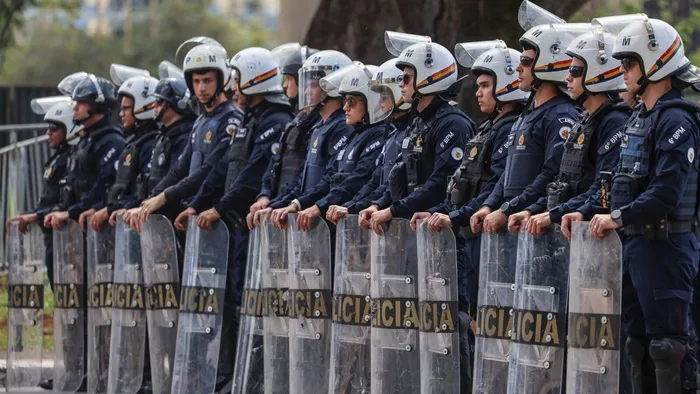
[[525, 71], [354, 108], [631, 73], [314, 92], [574, 84], [81, 111], [290, 86], [484, 93], [204, 86], [407, 84], [238, 98], [56, 134], [126, 112]]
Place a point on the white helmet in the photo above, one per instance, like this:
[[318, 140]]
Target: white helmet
[[203, 58], [141, 89], [531, 15], [356, 82], [387, 77], [330, 84], [320, 65], [655, 44], [58, 110], [496, 59], [396, 41], [550, 43], [435, 67], [258, 72], [601, 72]]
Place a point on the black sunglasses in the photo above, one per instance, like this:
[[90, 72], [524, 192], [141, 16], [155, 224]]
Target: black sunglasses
[[628, 63], [406, 78], [351, 101], [526, 61], [576, 71]]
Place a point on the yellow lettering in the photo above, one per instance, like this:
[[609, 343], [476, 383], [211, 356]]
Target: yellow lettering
[[490, 328], [526, 335], [345, 308], [447, 319], [213, 303], [551, 328]]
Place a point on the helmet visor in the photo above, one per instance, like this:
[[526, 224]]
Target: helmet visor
[[68, 84], [41, 106], [169, 70], [120, 73], [396, 42], [531, 15], [466, 53], [191, 43], [380, 101]]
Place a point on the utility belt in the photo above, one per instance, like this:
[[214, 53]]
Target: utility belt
[[660, 231]]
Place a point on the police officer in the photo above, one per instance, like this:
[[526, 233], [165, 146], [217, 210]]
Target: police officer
[[355, 163], [206, 69], [328, 136], [593, 145], [176, 118], [62, 135], [137, 115], [536, 141], [434, 143], [238, 178], [482, 165], [92, 165], [654, 201], [385, 83], [286, 164]]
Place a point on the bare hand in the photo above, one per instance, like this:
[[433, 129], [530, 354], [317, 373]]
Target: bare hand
[[114, 215], [181, 219], [476, 222], [539, 223], [279, 216], [336, 213], [438, 221], [516, 220], [258, 216], [151, 205], [306, 218], [99, 219], [494, 221], [206, 219], [379, 218], [366, 215], [416, 217], [567, 222], [82, 219], [600, 224]]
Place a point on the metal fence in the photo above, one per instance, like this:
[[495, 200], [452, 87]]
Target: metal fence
[[21, 170]]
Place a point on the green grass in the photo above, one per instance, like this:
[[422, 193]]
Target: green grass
[[48, 316]]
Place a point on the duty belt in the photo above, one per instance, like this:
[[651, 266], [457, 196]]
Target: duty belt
[[661, 230]]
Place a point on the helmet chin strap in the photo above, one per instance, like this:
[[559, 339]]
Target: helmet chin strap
[[643, 82], [582, 98]]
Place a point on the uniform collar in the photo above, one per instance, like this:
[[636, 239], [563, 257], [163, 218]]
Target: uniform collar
[[219, 108], [403, 122], [259, 108], [556, 100], [174, 125], [431, 110], [100, 124], [336, 114], [673, 94]]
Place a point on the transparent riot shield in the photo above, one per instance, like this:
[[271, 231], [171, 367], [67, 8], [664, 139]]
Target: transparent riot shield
[[395, 318], [494, 313], [25, 328], [128, 338], [248, 374], [160, 273], [201, 308], [439, 312], [310, 318], [352, 309], [595, 288], [69, 308], [100, 277], [539, 311], [275, 262]]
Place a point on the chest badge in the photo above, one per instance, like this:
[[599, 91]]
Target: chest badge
[[457, 153], [207, 137], [48, 172], [580, 139], [127, 160], [473, 152], [161, 159], [316, 143], [521, 140], [419, 141]]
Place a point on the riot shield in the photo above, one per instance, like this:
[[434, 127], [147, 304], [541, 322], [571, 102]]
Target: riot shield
[[310, 293], [352, 309], [439, 312], [100, 277], [595, 288], [128, 313], [25, 328], [201, 308], [69, 312], [160, 273], [494, 313], [395, 319], [539, 313], [275, 262], [248, 374]]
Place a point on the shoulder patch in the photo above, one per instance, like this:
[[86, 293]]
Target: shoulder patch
[[611, 142], [447, 139], [109, 155], [564, 132], [275, 148], [234, 121], [339, 144], [267, 134], [230, 129], [457, 153], [691, 154], [676, 135], [567, 121], [374, 145]]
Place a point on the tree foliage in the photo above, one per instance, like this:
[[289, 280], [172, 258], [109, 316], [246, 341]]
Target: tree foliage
[[52, 51]]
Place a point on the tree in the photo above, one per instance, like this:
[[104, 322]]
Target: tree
[[357, 28], [55, 50]]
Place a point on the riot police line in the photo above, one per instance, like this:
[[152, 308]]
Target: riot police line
[[293, 221]]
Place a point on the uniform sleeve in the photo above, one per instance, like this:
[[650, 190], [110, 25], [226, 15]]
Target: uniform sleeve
[[556, 131], [357, 178], [607, 157], [207, 181], [244, 189], [145, 158], [674, 154], [180, 166], [449, 142], [266, 188], [106, 156], [367, 189]]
